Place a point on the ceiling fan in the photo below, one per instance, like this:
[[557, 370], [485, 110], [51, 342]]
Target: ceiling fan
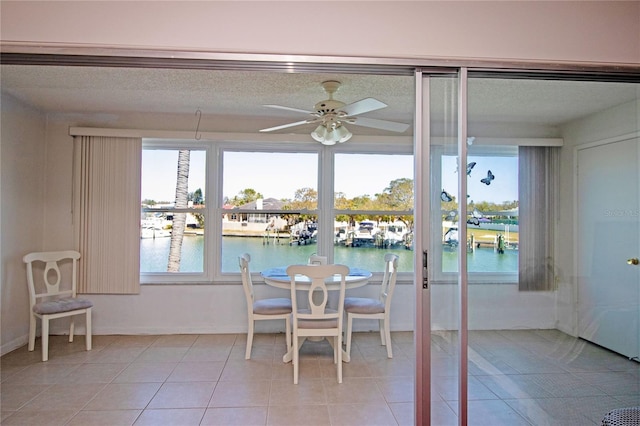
[[331, 116]]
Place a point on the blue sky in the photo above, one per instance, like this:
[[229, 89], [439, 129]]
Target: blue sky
[[504, 186], [279, 175]]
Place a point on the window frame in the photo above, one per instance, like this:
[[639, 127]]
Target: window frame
[[501, 149], [185, 277], [221, 148], [215, 149]]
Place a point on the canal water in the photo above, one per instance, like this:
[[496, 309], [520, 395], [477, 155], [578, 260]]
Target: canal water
[[155, 252]]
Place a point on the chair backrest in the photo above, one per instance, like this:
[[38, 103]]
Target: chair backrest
[[245, 272], [52, 282], [389, 279], [314, 259], [317, 293]]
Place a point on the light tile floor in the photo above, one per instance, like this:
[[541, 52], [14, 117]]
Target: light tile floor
[[516, 378]]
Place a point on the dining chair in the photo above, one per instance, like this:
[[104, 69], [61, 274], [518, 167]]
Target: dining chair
[[52, 295], [380, 308], [315, 259], [264, 309], [318, 320]]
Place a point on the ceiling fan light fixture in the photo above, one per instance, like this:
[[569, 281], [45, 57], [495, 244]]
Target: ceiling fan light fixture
[[320, 133], [331, 135], [342, 134]]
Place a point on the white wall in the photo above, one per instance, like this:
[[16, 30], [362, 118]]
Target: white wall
[[157, 309], [602, 31], [220, 308], [22, 199]]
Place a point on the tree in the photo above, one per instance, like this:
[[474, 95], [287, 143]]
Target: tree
[[179, 219], [246, 196], [397, 196], [305, 199], [196, 197], [341, 202]]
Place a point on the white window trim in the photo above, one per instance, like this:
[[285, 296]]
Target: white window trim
[[214, 195]]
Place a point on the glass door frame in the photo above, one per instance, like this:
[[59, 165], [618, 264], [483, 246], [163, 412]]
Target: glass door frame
[[422, 259]]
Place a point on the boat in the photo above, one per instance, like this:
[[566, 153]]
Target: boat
[[365, 233], [154, 228], [392, 234], [151, 232], [303, 233]]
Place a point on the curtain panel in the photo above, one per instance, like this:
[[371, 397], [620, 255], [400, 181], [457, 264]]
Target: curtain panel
[[106, 214], [535, 194]]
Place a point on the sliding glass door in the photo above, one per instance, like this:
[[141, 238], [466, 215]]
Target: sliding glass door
[[527, 203], [440, 380]]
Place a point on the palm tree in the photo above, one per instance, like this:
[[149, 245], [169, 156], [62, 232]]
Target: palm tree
[[179, 219]]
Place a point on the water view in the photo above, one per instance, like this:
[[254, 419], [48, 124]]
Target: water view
[[155, 252]]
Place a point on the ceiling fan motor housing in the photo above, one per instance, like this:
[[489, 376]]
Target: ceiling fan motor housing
[[328, 106]]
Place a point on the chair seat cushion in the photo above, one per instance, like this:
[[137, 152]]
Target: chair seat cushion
[[362, 305], [65, 304], [273, 306], [317, 324]]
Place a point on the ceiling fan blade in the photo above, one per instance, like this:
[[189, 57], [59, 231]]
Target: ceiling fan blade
[[288, 109], [381, 124], [284, 126], [362, 106]]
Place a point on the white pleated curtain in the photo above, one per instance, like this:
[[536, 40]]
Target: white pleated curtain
[[106, 213], [536, 266]]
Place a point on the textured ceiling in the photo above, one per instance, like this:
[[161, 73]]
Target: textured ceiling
[[240, 95]]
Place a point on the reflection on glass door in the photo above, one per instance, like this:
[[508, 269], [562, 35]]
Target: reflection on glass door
[[538, 209], [545, 312], [609, 248]]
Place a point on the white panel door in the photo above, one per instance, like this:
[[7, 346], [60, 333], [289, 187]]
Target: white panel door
[[608, 236]]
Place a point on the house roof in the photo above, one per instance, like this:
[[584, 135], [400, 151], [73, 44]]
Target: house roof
[[267, 204]]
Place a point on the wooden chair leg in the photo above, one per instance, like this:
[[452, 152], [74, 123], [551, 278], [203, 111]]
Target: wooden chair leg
[[349, 330], [247, 354], [32, 332], [72, 328], [295, 359], [287, 327], [387, 332], [88, 336], [339, 353], [45, 338]]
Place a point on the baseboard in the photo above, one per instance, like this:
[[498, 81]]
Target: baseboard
[[23, 340], [14, 344], [167, 330]]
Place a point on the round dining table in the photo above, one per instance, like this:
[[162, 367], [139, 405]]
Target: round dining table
[[277, 277]]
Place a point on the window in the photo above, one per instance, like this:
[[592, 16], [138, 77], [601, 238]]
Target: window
[[173, 212], [492, 222], [373, 204], [271, 203], [269, 208]]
